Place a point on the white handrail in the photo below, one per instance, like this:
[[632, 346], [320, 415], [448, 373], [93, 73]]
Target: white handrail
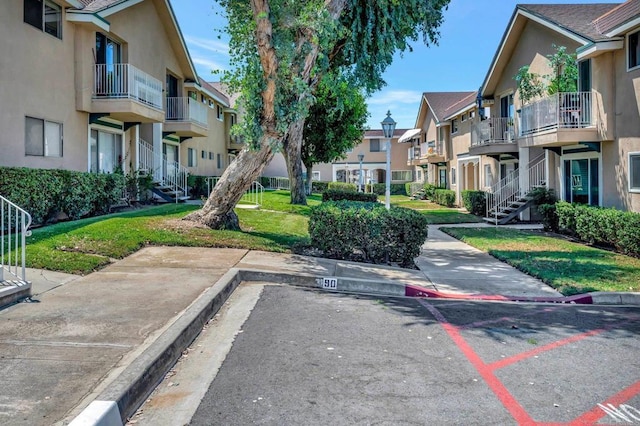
[[493, 130], [169, 173], [560, 110], [14, 228], [186, 109], [117, 81], [253, 195]]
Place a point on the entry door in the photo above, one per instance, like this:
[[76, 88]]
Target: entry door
[[442, 177], [581, 181]]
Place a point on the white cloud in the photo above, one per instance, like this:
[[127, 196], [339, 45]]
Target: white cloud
[[217, 46], [208, 63], [394, 97]]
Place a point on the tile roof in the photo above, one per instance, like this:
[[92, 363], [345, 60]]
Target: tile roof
[[224, 90], [576, 18], [618, 16], [377, 133], [212, 88], [444, 104]]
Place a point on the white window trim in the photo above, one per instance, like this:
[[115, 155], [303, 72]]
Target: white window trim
[[626, 51], [44, 137], [453, 178], [632, 154], [456, 127]]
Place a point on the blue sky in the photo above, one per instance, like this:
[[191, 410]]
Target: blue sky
[[469, 38]]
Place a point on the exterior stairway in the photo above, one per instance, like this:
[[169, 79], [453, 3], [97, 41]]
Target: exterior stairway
[[508, 198], [169, 177]]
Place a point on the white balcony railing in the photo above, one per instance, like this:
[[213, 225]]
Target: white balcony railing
[[14, 228], [493, 130], [186, 109], [558, 111], [124, 81]]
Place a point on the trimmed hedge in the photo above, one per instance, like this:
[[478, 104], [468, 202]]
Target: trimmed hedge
[[444, 197], [603, 226], [475, 202], [429, 191], [343, 186], [319, 187], [45, 193], [197, 186], [549, 217], [337, 195], [356, 230], [380, 188]]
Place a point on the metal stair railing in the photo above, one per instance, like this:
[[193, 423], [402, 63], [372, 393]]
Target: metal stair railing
[[14, 229], [253, 195], [169, 173]]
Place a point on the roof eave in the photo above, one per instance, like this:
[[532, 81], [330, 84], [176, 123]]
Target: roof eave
[[595, 49], [88, 18], [623, 28]]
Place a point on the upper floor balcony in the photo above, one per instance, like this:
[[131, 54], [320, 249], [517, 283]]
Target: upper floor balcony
[[559, 119], [126, 93], [493, 136], [236, 143], [434, 153], [186, 117]]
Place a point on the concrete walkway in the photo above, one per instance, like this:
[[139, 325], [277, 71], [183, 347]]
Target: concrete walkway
[[112, 335]]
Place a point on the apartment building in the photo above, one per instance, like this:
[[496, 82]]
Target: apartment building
[[98, 85], [374, 159], [583, 144], [439, 144]]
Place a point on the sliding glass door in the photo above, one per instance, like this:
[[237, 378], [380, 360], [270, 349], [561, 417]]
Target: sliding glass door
[[581, 181], [106, 151]]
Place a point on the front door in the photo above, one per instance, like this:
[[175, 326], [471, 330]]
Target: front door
[[581, 181], [442, 177]]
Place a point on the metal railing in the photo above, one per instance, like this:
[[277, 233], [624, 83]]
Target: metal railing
[[186, 109], [124, 81], [14, 228], [278, 183], [253, 195], [169, 173], [562, 110], [493, 130], [508, 190], [415, 187]]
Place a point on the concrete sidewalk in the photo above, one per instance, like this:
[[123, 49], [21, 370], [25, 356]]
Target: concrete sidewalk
[[111, 336]]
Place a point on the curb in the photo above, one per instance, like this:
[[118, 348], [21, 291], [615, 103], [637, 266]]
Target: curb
[[13, 292], [130, 389]]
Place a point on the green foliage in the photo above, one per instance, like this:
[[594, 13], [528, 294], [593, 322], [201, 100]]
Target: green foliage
[[530, 85], [475, 202], [429, 191], [566, 217], [549, 217], [444, 197], [197, 186], [343, 186], [367, 231], [45, 193], [337, 195], [564, 77], [319, 187], [380, 188], [542, 195]]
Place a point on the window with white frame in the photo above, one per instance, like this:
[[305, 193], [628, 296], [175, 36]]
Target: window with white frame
[[453, 176], [43, 138], [472, 114], [219, 157], [488, 175], [203, 154], [633, 50], [464, 117], [315, 176], [375, 145], [211, 155], [634, 171], [44, 15], [454, 126], [219, 113], [192, 157], [105, 150]]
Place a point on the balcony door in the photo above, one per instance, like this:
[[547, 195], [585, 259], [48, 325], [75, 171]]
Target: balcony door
[[110, 77], [581, 181]]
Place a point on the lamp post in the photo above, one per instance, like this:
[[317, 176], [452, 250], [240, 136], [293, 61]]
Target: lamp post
[[360, 158], [388, 127]]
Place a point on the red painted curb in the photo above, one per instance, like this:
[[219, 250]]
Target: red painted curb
[[411, 290]]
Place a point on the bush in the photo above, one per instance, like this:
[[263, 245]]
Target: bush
[[549, 217], [342, 186], [380, 188], [319, 187], [475, 202], [45, 193], [566, 217], [444, 197], [197, 186], [542, 195], [264, 181], [429, 191], [357, 230], [337, 195]]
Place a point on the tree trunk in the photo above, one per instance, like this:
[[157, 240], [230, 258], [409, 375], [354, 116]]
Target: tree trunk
[[217, 212], [292, 149], [309, 179]]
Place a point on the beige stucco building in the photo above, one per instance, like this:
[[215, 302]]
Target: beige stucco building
[[101, 85], [584, 144]]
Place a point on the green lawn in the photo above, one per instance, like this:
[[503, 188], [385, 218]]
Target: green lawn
[[435, 213], [567, 266], [279, 201]]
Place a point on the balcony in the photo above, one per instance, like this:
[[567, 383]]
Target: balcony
[[493, 136], [559, 119], [186, 117], [236, 143], [413, 156], [126, 94], [434, 154]]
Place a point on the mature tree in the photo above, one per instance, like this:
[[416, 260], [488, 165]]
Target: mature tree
[[280, 50], [335, 124]]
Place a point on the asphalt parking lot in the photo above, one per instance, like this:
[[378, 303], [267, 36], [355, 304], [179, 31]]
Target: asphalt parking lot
[[307, 357]]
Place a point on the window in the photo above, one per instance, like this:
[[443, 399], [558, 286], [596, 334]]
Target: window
[[43, 138], [453, 176], [203, 99], [192, 158], [454, 126], [464, 117], [633, 47], [233, 119], [472, 115], [106, 151], [44, 15], [634, 172], [203, 155], [488, 175], [374, 145], [193, 95], [211, 104], [219, 113], [219, 161], [315, 176]]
